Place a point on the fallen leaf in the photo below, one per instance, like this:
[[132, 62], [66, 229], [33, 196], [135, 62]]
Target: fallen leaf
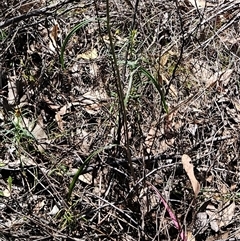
[[58, 117], [233, 187], [35, 129], [221, 216], [236, 103], [12, 90], [40, 135], [88, 55], [38, 206], [173, 90], [188, 167], [93, 70], [226, 76], [220, 77], [201, 222], [54, 210], [165, 145], [53, 37], [213, 219], [226, 214], [26, 161], [54, 32], [86, 178], [6, 193], [164, 58], [202, 3], [92, 101], [224, 236], [198, 3], [59, 121]]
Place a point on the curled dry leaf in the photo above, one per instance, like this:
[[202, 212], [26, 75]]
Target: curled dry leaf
[[59, 121], [58, 117], [38, 206], [221, 216], [198, 3], [204, 3], [226, 76], [86, 178], [201, 222], [212, 213], [226, 214], [54, 33], [188, 167], [40, 135], [236, 103], [221, 77], [93, 101]]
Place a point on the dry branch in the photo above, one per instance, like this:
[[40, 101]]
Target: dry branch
[[42, 11]]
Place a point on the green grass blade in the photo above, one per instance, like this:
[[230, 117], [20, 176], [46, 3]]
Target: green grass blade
[[82, 167], [158, 87], [68, 37]]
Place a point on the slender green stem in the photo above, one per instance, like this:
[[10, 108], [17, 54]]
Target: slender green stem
[[120, 92]]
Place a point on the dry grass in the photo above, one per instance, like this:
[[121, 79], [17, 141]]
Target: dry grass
[[52, 119]]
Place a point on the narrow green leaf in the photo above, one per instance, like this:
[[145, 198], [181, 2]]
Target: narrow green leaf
[[158, 87], [68, 37], [81, 168]]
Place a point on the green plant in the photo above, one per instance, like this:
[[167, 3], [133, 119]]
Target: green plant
[[8, 190], [69, 36], [81, 169], [122, 120], [19, 129], [133, 36], [9, 181], [133, 66], [19, 136], [3, 35], [68, 219], [16, 130], [158, 87]]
